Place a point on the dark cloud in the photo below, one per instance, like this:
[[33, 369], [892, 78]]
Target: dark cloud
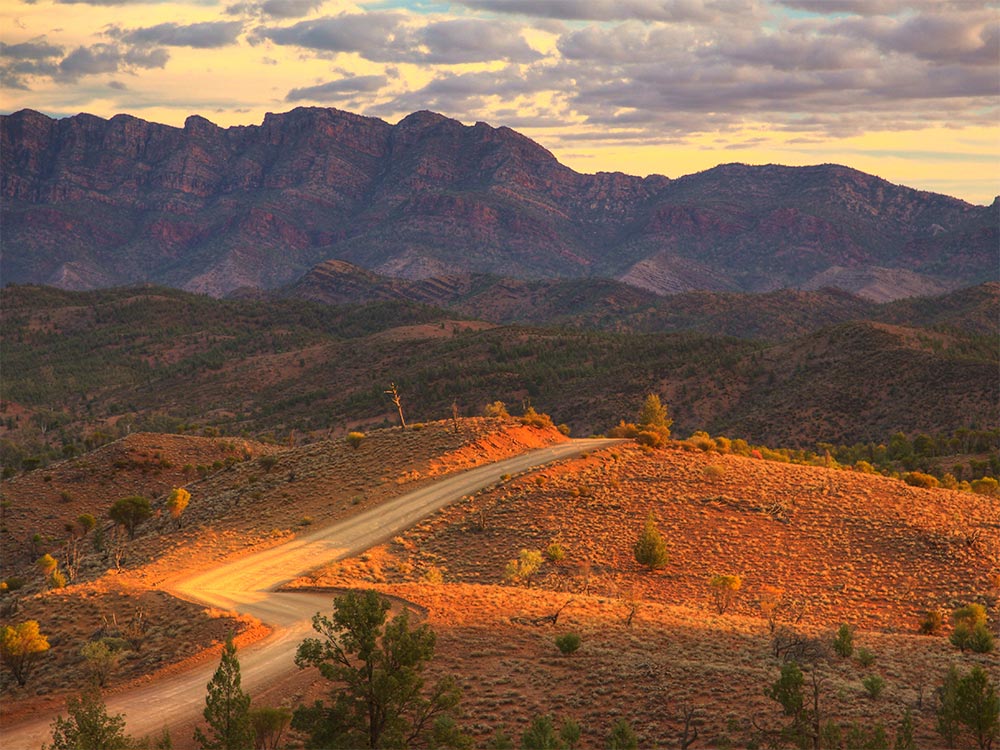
[[108, 58], [671, 11], [360, 32], [205, 35], [37, 50], [343, 88], [882, 7], [970, 37], [473, 40], [274, 8], [385, 37]]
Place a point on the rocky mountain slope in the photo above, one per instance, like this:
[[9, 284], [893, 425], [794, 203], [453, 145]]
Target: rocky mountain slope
[[90, 203]]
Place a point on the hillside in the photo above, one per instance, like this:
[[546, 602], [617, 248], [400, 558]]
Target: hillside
[[157, 359], [833, 546], [92, 203]]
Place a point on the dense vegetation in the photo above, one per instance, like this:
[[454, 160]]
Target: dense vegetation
[[83, 368]]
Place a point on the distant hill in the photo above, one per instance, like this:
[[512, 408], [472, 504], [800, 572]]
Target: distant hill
[[90, 203], [616, 306], [161, 359]]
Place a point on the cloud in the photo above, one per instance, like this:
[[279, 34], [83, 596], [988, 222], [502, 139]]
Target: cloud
[[359, 32], [108, 58], [275, 8], [670, 11], [36, 50], [387, 37], [881, 7], [970, 37], [205, 35], [343, 88], [112, 2]]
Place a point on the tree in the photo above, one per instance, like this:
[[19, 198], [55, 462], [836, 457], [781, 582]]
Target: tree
[[653, 416], [724, 590], [381, 700], [89, 727], [541, 735], [227, 707], [269, 724], [102, 658], [843, 642], [789, 690], [528, 562], [130, 512], [972, 701], [20, 646], [622, 737], [177, 503], [393, 394], [970, 630], [650, 550]]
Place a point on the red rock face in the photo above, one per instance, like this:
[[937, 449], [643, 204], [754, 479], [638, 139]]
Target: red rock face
[[88, 201]]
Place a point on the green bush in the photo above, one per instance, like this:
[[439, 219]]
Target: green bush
[[568, 643], [354, 439], [555, 552], [874, 685], [650, 549], [865, 657], [843, 642]]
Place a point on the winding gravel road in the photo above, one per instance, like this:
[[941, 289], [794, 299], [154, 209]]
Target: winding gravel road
[[246, 586]]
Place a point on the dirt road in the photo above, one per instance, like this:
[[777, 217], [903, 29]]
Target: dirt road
[[247, 586]]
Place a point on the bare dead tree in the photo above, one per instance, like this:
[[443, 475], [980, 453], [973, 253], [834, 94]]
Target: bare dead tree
[[454, 416], [393, 393], [71, 557], [117, 546], [689, 735], [544, 619]]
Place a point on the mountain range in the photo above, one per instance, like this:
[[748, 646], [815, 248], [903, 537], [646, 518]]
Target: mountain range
[[90, 203]]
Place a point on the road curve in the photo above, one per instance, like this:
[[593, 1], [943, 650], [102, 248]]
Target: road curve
[[247, 586]]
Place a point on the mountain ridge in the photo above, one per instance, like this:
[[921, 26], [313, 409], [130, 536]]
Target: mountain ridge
[[90, 203]]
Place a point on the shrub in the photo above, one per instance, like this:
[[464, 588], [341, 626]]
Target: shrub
[[724, 590], [354, 439], [266, 462], [874, 685], [433, 575], [130, 512], [932, 621], [714, 471], [918, 479], [177, 503], [568, 643], [555, 552], [532, 418], [985, 486], [970, 631], [843, 642], [496, 409], [865, 657], [622, 737], [650, 549], [524, 567], [20, 646]]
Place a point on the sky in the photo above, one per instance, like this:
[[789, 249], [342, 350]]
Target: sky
[[908, 90]]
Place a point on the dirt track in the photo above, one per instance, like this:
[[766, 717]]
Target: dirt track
[[247, 586]]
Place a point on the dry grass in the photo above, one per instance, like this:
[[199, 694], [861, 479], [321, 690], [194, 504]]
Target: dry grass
[[844, 547]]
